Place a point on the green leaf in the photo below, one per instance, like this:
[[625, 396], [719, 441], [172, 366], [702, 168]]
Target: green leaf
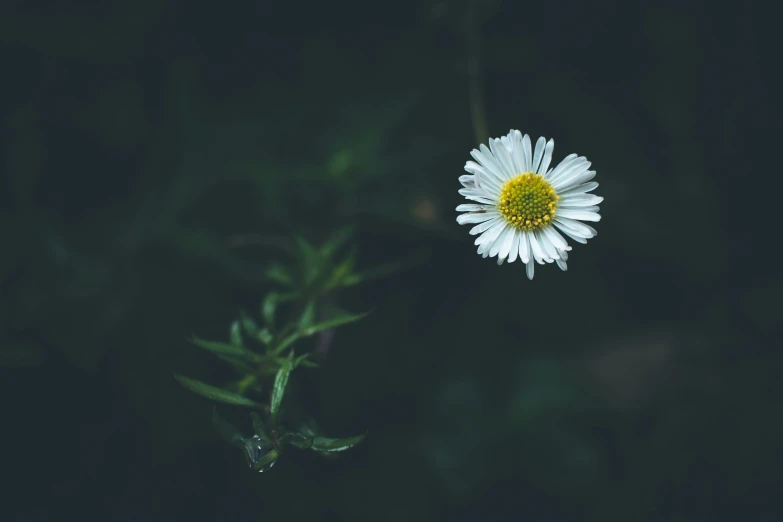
[[329, 445], [306, 319], [229, 352], [337, 240], [266, 461], [333, 323], [214, 393], [297, 440], [342, 271], [269, 307], [301, 359], [306, 249], [248, 324], [258, 426], [225, 429], [279, 274], [387, 268], [278, 389], [265, 336], [236, 334]]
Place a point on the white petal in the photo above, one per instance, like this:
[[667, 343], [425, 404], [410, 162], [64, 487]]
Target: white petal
[[524, 247], [564, 255], [498, 243], [572, 180], [500, 261], [484, 226], [517, 156], [508, 240], [581, 215], [487, 161], [477, 195], [580, 200], [514, 252], [483, 179], [570, 225], [504, 159], [550, 145], [528, 153], [467, 181], [493, 161], [555, 238], [538, 252], [530, 269], [538, 154], [575, 237], [476, 217], [582, 209], [565, 163], [581, 189], [546, 245], [472, 207], [568, 167], [492, 233], [562, 264]]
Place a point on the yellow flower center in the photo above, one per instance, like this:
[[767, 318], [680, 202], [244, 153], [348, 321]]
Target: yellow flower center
[[528, 201]]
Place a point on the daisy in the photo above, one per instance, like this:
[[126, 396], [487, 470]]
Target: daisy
[[521, 207]]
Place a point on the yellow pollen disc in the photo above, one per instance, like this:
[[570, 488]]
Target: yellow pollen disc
[[528, 201]]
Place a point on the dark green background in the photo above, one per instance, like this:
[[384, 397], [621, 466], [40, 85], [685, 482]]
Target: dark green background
[[139, 138]]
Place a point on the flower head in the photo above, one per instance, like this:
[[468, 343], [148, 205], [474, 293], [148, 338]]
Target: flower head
[[521, 207]]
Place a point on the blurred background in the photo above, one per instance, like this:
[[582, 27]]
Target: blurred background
[[154, 151]]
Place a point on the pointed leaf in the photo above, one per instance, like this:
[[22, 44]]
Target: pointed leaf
[[278, 389], [236, 334], [226, 350], [248, 324], [214, 393], [258, 426], [343, 270], [225, 429], [337, 240], [265, 336], [269, 307], [333, 323], [302, 359], [297, 440], [279, 274], [266, 461], [306, 319], [329, 445]]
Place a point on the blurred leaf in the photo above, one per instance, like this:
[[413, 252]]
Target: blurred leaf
[[278, 389], [248, 324], [306, 318], [268, 308], [258, 426], [337, 240], [214, 393], [342, 271], [386, 268], [297, 440], [265, 336], [328, 445], [225, 429], [309, 254], [280, 274], [333, 323], [236, 334], [318, 327], [232, 351], [302, 359]]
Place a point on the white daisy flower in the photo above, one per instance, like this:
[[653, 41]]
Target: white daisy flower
[[520, 205]]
